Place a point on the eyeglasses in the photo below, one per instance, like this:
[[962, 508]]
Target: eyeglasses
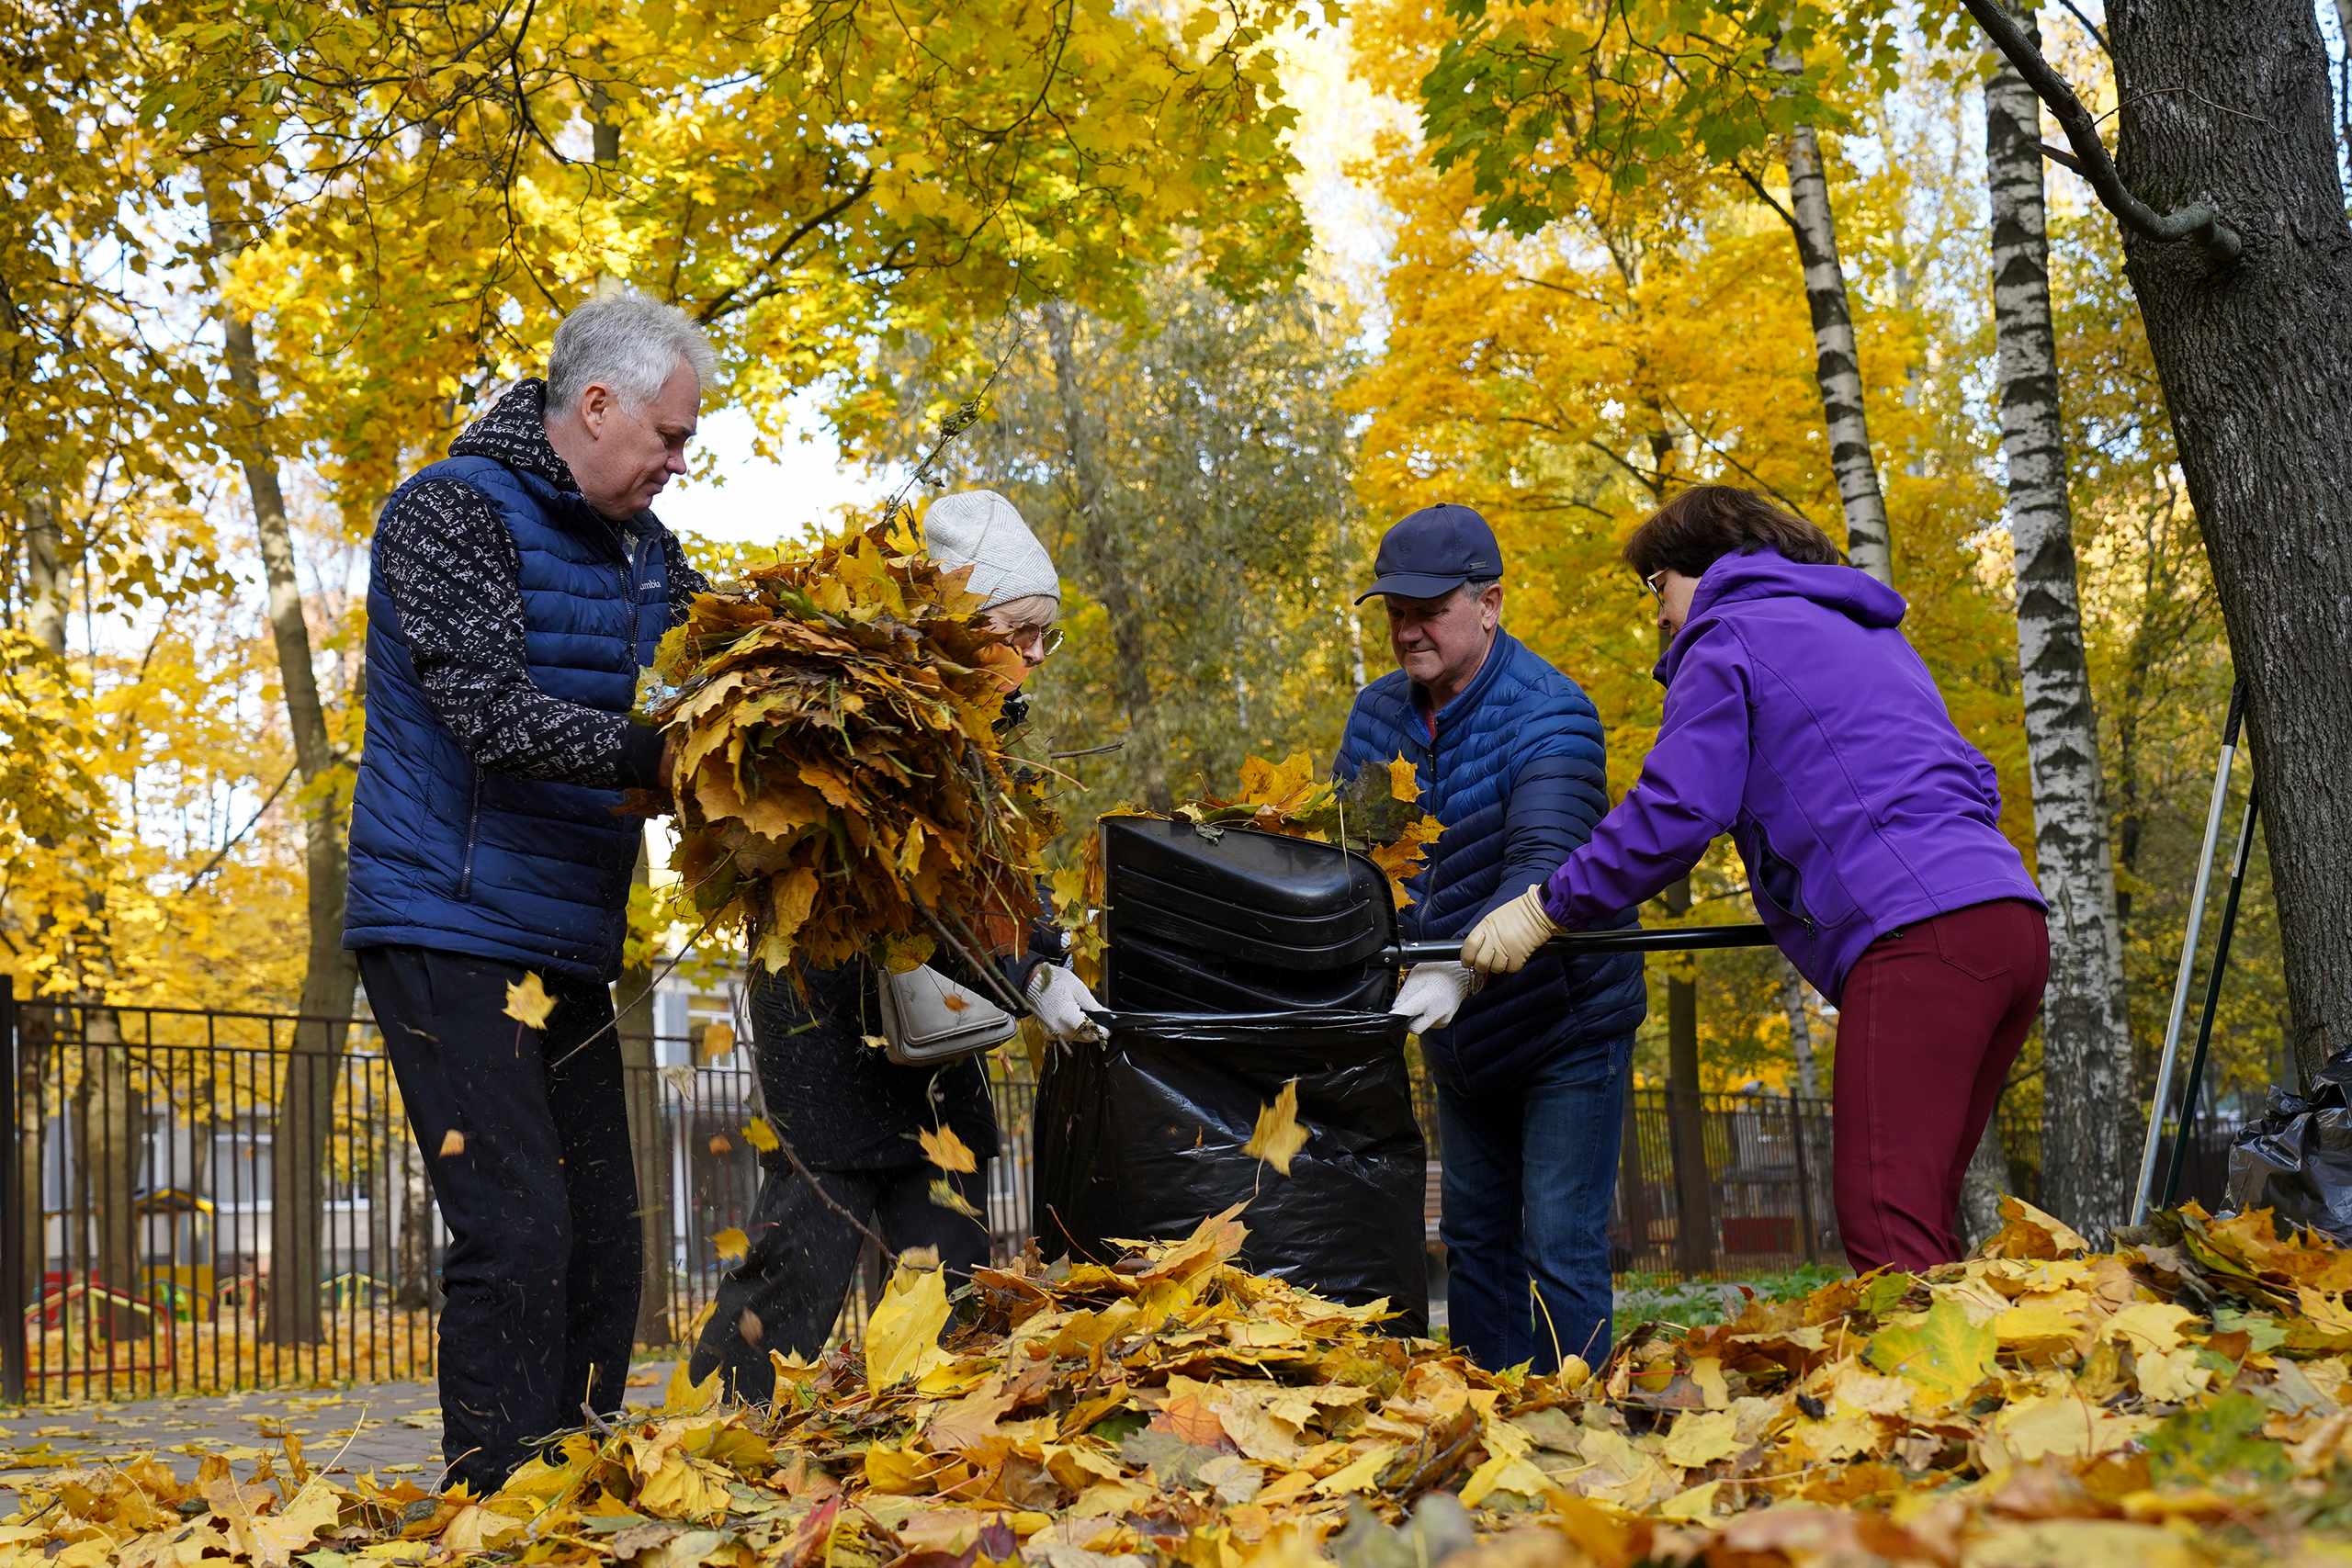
[[1656, 583], [1044, 638]]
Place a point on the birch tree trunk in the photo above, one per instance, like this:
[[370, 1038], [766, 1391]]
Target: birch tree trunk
[[1987, 1180], [1132, 681], [1837, 364], [2085, 1030], [299, 1137]]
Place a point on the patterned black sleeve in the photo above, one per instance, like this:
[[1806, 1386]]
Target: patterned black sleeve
[[685, 580], [452, 571]]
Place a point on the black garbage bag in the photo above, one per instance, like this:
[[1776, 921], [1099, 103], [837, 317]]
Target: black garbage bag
[[2297, 1159], [1141, 1137]]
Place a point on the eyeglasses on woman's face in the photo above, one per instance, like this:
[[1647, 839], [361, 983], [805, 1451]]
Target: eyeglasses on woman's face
[[1656, 583], [1041, 640]]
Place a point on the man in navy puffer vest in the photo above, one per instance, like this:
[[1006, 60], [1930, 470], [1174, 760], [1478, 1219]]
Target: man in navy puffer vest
[[517, 587], [1531, 1072]]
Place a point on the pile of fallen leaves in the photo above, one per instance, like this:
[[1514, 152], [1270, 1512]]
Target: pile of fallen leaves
[[840, 784], [2182, 1400]]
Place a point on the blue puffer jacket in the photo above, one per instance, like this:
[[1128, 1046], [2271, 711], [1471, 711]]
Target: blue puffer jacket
[[1518, 775], [449, 855]]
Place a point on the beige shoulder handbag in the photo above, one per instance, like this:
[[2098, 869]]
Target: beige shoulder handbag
[[921, 1027]]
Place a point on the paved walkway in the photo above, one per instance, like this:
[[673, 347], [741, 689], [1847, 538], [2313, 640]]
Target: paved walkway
[[393, 1429]]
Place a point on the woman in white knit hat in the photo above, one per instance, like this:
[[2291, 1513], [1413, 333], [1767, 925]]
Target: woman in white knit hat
[[851, 1114]]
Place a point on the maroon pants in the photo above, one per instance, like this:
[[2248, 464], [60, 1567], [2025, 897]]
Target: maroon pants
[[1933, 1017]]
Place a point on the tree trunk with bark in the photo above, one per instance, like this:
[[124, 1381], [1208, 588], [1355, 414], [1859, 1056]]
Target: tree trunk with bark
[[1799, 1030], [2087, 1029], [415, 1247], [2229, 105], [110, 1153], [305, 1111], [648, 1143], [1838, 365], [1132, 682], [1695, 1207]]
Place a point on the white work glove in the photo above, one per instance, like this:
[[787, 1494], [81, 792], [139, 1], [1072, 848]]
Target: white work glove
[[1061, 1002], [1432, 994], [1506, 940]]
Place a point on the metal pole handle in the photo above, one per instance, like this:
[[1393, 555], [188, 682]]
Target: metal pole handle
[[1670, 939]]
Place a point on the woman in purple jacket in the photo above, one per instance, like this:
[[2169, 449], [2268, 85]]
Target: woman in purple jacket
[[1799, 721]]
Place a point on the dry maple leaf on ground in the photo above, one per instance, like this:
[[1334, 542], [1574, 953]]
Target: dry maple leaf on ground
[[2183, 1400]]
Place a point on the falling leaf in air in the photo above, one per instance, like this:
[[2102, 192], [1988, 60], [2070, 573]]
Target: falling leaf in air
[[1279, 1136], [528, 1004], [750, 1326], [731, 1245], [717, 1042], [874, 1042], [453, 1143], [945, 1150], [947, 1198], [760, 1136], [952, 1002], [719, 1144]]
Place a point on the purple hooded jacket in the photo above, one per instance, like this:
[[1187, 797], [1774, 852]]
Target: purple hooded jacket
[[1799, 721]]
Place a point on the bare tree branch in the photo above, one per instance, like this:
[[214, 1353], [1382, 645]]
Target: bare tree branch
[[2200, 224]]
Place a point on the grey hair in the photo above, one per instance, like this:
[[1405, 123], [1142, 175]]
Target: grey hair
[[628, 343]]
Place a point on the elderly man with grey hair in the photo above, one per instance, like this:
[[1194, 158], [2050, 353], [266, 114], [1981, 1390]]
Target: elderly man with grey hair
[[516, 588]]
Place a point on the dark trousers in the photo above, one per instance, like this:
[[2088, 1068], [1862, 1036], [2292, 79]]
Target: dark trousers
[[541, 1273], [789, 1289], [1529, 1179], [1932, 1016]]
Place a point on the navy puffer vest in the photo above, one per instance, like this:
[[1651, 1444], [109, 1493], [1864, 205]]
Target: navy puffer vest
[[447, 856], [1518, 775]]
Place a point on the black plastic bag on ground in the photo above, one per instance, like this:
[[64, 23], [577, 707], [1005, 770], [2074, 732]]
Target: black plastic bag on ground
[[2297, 1160], [1142, 1137]]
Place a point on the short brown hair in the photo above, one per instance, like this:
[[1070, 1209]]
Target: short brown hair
[[1706, 522]]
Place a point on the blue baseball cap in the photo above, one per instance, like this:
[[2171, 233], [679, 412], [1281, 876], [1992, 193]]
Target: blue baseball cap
[[1435, 551]]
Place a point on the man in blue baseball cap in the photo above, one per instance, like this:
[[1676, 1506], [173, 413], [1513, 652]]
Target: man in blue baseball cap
[[1531, 1071]]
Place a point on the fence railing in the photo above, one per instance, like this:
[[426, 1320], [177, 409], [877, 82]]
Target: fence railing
[[147, 1246]]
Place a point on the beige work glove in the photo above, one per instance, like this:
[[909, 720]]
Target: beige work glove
[[1506, 940]]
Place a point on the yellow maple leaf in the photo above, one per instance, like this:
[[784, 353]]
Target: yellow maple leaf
[[1268, 784], [731, 1245], [945, 1150], [1945, 1354], [907, 1323], [1278, 1135], [1402, 784], [718, 1041], [453, 1143], [947, 1198], [760, 1136], [528, 1004]]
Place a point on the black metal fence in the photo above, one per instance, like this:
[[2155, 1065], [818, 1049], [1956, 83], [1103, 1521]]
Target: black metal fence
[[1715, 1184], [147, 1245]]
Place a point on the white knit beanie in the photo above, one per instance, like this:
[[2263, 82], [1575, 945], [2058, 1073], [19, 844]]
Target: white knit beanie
[[978, 528]]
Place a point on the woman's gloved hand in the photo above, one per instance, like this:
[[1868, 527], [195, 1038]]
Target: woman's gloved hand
[[1061, 1002], [1432, 994], [1506, 940]]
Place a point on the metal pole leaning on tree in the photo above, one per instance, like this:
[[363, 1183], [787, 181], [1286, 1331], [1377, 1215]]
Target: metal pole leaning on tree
[[2187, 955], [2212, 998]]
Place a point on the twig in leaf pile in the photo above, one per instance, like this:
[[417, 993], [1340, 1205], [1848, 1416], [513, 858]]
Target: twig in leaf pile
[[826, 1198]]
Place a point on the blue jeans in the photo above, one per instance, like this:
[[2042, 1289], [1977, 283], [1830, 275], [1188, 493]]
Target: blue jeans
[[1529, 1181]]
